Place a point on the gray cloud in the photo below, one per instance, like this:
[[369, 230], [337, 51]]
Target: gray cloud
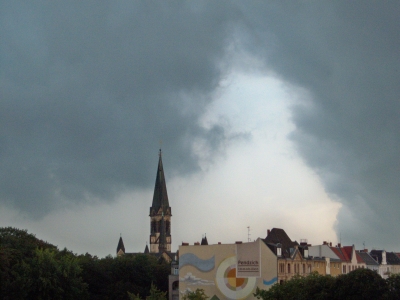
[[346, 55], [87, 89]]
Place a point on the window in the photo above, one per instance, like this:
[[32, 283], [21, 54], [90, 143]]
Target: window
[[281, 268], [344, 269], [288, 268], [304, 268]]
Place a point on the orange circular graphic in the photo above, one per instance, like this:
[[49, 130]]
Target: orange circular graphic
[[231, 286]]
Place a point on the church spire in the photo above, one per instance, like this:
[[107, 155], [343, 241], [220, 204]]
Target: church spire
[[160, 196], [120, 247], [160, 214]]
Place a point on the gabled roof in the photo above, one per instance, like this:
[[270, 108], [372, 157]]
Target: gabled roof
[[392, 258], [359, 258], [120, 245], [341, 254], [278, 236], [160, 196], [367, 258], [347, 252], [377, 255]]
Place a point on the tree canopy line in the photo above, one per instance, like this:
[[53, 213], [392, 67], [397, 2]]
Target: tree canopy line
[[358, 284], [33, 269]]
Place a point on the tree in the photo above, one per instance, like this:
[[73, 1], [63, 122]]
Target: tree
[[156, 294], [393, 283], [17, 250], [360, 284], [198, 294], [314, 286], [132, 296], [53, 278]]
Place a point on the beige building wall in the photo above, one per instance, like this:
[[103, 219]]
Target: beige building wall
[[213, 268], [336, 268], [295, 266]]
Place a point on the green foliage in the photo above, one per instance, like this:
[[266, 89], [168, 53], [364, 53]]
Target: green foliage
[[55, 278], [358, 284], [198, 294], [393, 284], [156, 294], [115, 277], [314, 286], [132, 296], [33, 269]]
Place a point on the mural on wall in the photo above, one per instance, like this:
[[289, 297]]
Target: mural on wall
[[270, 282], [190, 279], [203, 265], [227, 271], [231, 286]]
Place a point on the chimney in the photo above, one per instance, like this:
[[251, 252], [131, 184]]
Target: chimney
[[238, 242], [339, 245], [268, 232], [219, 243], [324, 243], [330, 244], [185, 244], [197, 244]]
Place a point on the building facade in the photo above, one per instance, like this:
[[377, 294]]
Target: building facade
[[227, 271]]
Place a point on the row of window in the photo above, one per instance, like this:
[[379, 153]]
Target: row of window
[[351, 268], [296, 267]]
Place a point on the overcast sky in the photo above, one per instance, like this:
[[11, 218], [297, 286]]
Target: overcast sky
[[270, 114]]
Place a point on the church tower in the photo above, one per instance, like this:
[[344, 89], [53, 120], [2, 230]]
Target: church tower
[[160, 214]]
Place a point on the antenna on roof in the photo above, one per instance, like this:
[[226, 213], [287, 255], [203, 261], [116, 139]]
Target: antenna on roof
[[248, 234]]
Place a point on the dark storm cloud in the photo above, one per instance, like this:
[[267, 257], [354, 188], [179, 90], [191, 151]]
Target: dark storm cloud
[[89, 88], [346, 54]]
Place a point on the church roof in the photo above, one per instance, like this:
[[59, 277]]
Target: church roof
[[160, 197], [120, 245], [279, 236]]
